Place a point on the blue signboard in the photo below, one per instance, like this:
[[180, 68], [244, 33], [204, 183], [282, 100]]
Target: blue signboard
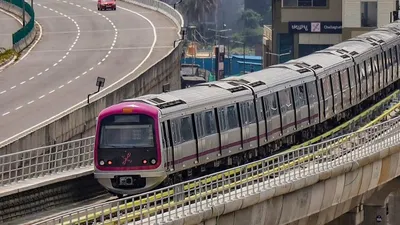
[[315, 27]]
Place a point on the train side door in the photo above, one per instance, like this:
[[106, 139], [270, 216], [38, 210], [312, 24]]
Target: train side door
[[313, 102], [166, 148], [245, 121]]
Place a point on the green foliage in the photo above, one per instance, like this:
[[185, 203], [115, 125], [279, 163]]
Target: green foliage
[[251, 19], [195, 10], [6, 55], [252, 32]]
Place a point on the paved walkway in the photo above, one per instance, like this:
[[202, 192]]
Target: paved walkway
[[8, 25]]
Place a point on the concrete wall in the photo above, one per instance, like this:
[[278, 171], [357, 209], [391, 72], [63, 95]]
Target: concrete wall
[[80, 122], [25, 42], [316, 199]]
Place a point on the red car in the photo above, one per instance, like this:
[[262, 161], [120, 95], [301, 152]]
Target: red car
[[106, 4]]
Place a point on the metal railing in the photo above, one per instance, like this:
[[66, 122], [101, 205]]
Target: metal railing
[[45, 161], [201, 194]]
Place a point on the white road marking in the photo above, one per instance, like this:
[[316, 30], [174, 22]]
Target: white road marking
[[23, 82], [4, 114], [18, 107]]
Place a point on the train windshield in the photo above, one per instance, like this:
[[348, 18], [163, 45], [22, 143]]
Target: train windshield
[[127, 131]]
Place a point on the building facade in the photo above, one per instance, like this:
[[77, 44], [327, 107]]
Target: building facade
[[301, 27]]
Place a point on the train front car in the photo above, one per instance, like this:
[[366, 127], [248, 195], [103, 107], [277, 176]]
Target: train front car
[[127, 154]]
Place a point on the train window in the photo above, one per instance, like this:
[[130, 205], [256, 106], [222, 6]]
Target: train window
[[375, 66], [344, 79], [271, 105], [361, 70], [312, 92], [199, 125], [209, 123], [352, 76], [383, 59], [326, 85], [260, 110], [335, 82], [233, 121], [368, 68], [388, 57], [251, 112], [222, 119], [285, 98], [175, 131], [244, 112], [394, 55], [164, 143], [186, 129], [300, 96]]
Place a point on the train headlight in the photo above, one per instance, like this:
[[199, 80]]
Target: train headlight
[[144, 161], [101, 162], [153, 161], [109, 162]]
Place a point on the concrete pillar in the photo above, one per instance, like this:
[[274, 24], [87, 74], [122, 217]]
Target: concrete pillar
[[353, 217], [394, 208], [375, 215]]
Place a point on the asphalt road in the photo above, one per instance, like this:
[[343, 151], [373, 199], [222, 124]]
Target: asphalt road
[[9, 25], [78, 44]]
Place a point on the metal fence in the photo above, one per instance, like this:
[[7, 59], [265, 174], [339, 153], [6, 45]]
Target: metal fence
[[195, 196], [45, 161]]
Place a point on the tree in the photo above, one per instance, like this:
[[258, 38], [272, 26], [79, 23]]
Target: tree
[[195, 10], [252, 32]]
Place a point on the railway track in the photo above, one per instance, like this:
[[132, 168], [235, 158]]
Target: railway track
[[147, 205]]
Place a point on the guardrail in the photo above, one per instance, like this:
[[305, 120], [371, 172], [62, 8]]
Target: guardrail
[[24, 36], [44, 161], [202, 194]]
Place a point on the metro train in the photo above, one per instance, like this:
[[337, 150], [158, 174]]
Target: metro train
[[161, 139]]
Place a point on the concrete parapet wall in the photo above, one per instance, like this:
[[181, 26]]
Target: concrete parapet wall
[[22, 44], [79, 121], [317, 199]]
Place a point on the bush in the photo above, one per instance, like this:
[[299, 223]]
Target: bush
[[6, 55]]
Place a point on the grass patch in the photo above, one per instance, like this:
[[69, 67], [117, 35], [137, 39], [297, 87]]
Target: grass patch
[[6, 55]]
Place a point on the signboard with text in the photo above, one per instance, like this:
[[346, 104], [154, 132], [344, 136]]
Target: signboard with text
[[315, 27]]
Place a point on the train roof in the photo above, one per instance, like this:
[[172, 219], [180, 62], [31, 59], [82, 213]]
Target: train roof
[[137, 107], [274, 78], [197, 98]]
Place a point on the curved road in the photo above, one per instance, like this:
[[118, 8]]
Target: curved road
[[78, 44], [9, 25]]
